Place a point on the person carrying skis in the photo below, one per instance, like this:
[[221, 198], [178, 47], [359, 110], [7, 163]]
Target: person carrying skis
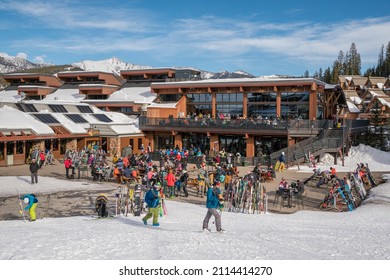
[[34, 171], [152, 199], [32, 201], [212, 204]]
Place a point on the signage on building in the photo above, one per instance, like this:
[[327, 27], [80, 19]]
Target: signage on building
[[93, 132]]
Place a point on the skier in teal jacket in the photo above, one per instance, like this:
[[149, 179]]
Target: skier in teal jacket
[[32, 201], [212, 204], [152, 199]]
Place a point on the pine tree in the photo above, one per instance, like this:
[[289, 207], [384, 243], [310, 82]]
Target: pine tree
[[306, 74], [327, 75], [386, 68], [352, 61], [376, 134]]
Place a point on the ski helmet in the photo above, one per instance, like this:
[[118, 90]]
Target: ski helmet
[[26, 200]]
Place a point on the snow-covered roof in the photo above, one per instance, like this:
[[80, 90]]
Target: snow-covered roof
[[126, 129], [377, 93], [352, 107], [139, 95], [9, 96], [384, 102], [74, 128], [65, 95], [21, 120], [242, 80]]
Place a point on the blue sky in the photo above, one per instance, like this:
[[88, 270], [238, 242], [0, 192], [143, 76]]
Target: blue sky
[[260, 37]]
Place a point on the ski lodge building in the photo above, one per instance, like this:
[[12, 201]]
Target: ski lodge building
[[168, 107]]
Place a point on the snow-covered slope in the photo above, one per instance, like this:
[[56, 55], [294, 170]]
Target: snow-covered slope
[[12, 63]]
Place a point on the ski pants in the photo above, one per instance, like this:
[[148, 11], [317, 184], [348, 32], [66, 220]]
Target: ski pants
[[34, 178], [33, 215], [212, 212], [153, 212]]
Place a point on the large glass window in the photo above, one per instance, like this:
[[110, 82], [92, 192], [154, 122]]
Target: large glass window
[[262, 97], [295, 96], [263, 110]]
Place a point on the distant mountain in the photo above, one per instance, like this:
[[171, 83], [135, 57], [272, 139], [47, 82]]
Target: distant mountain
[[229, 75], [13, 64], [113, 65]]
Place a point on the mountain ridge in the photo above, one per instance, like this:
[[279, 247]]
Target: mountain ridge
[[10, 64]]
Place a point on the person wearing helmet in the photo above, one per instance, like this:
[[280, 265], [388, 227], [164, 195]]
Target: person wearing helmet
[[32, 201]]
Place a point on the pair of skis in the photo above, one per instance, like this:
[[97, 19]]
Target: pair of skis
[[21, 207]]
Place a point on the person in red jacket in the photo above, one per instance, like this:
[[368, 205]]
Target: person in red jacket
[[170, 178], [68, 165]]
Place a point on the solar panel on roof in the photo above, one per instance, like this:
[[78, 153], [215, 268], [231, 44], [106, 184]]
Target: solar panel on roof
[[26, 107], [85, 109], [76, 118], [46, 118], [58, 108], [102, 117]]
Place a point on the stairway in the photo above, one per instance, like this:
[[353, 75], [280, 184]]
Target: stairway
[[330, 140]]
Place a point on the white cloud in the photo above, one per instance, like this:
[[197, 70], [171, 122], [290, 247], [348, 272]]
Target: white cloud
[[40, 59], [22, 55]]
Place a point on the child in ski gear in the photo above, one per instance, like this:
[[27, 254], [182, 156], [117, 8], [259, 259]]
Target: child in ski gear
[[32, 202], [170, 178], [212, 204], [34, 171], [152, 199]]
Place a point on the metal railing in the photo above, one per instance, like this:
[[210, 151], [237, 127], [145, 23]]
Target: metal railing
[[262, 124]]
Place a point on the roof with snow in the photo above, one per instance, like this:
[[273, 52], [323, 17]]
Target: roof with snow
[[139, 95], [21, 121]]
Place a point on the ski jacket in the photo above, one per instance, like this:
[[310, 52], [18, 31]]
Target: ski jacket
[[152, 199], [31, 200], [282, 158], [68, 163], [212, 198], [170, 179], [34, 167]]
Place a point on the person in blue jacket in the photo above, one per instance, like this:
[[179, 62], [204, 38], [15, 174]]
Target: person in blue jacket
[[212, 204], [32, 201], [152, 199]]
